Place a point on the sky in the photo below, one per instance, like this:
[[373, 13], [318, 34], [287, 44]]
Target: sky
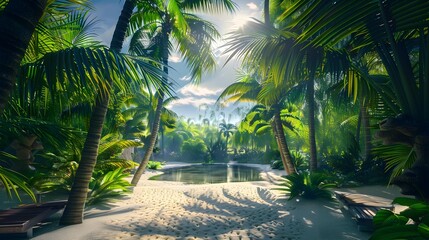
[[194, 102]]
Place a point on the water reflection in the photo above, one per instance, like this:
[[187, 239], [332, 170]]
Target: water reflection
[[210, 173]]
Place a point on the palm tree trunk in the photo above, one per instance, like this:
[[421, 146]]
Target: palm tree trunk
[[267, 12], [17, 24], [282, 155], [152, 141], [157, 118], [73, 213], [281, 141], [311, 126]]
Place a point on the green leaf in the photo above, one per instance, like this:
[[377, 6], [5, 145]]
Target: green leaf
[[397, 232], [405, 201], [424, 230]]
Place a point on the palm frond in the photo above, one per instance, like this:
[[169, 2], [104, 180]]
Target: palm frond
[[398, 157]]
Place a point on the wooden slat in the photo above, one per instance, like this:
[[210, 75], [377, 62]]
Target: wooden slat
[[22, 219], [363, 207]]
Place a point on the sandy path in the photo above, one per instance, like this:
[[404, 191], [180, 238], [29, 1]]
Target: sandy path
[[171, 210]]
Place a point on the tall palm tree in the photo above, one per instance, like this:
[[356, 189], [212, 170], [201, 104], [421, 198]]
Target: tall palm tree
[[169, 20], [397, 31], [73, 213]]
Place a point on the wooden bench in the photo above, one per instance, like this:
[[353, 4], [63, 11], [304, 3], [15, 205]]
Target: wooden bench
[[363, 207], [22, 219]]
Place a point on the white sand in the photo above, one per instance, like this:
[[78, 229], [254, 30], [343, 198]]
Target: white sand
[[249, 210]]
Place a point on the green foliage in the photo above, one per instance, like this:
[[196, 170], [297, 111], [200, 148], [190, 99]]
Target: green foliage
[[155, 165], [411, 223], [53, 172], [269, 156], [299, 159], [107, 187], [250, 156], [398, 157], [194, 150], [277, 164], [306, 185], [109, 154], [347, 162], [12, 180]]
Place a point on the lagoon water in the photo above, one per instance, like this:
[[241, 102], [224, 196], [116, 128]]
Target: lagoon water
[[210, 173]]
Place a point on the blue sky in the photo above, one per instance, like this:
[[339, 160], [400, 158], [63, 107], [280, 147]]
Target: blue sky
[[192, 98]]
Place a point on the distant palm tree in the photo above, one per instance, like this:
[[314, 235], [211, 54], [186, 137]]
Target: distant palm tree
[[227, 130], [163, 21]]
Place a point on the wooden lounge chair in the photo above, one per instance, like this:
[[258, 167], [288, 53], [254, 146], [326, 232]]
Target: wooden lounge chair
[[363, 207], [22, 219]]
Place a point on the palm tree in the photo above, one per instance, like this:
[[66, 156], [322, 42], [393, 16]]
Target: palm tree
[[165, 21], [227, 130], [73, 213], [248, 88], [396, 30]]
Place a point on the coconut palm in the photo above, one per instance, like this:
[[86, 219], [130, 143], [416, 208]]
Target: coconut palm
[[164, 21], [73, 213]]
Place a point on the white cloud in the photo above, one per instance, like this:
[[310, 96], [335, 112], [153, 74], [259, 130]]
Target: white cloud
[[191, 101], [174, 58], [193, 90], [185, 78], [252, 6]]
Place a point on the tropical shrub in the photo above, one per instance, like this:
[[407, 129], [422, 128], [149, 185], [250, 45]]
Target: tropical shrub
[[277, 164], [194, 150], [269, 156], [250, 156], [155, 165], [306, 185], [12, 180], [299, 159], [411, 223], [108, 187], [347, 162]]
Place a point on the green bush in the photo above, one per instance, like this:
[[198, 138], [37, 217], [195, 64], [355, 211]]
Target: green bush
[[411, 223], [194, 150], [155, 165], [250, 156], [299, 159], [107, 187], [306, 185], [277, 164]]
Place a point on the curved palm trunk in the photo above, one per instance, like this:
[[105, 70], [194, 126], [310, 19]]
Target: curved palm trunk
[[152, 141], [311, 126], [282, 144], [157, 119], [17, 24], [73, 213]]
